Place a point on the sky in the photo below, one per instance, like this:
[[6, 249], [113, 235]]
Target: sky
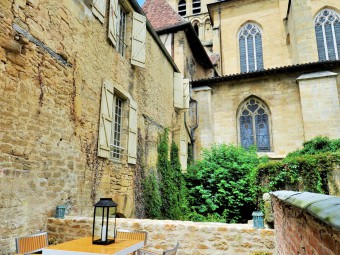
[[141, 2]]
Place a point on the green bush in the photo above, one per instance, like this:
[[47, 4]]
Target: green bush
[[220, 185], [302, 170], [317, 145]]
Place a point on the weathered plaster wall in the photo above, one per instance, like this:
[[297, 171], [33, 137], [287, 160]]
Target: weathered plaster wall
[[194, 237], [50, 114]]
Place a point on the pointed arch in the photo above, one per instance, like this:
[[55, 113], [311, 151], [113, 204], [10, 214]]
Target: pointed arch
[[327, 32], [254, 129], [250, 46]]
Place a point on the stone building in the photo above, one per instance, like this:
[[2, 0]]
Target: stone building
[[81, 109], [279, 65], [184, 46]]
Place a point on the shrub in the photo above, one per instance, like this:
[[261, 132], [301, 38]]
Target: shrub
[[220, 184]]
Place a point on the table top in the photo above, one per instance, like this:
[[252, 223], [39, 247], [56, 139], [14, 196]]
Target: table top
[[84, 246]]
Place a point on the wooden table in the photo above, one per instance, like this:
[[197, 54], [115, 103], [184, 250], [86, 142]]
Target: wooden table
[[84, 246]]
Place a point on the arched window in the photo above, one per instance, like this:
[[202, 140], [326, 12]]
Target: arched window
[[327, 30], [196, 28], [196, 6], [250, 43], [254, 126], [182, 8]]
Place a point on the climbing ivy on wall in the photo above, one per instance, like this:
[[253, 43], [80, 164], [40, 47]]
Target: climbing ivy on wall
[[306, 169], [164, 190]]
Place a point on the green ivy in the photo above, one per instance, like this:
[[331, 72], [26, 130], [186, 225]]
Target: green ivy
[[152, 196], [168, 193], [306, 169]]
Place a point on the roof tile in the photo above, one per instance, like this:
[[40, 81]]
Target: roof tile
[[161, 15]]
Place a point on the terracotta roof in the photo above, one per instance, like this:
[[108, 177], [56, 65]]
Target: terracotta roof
[[161, 15]]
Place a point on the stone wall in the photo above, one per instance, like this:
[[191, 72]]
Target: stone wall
[[50, 111], [306, 223], [194, 238]]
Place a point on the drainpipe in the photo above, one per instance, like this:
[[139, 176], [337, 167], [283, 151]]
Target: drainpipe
[[220, 37], [192, 130]]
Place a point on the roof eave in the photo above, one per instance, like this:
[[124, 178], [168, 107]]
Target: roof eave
[[310, 67]]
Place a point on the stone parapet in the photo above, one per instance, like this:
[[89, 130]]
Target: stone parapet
[[194, 237]]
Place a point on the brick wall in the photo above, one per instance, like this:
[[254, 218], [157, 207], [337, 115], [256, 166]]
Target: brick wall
[[298, 232], [194, 238]]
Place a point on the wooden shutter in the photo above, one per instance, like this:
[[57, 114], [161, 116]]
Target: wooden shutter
[[186, 93], [99, 9], [113, 19], [105, 122], [132, 145], [138, 40], [184, 154], [178, 90]]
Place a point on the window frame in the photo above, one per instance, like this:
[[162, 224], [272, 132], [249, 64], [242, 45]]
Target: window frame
[[116, 149], [117, 131], [323, 45], [257, 51], [121, 29], [255, 132]]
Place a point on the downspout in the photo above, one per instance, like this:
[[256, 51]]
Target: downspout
[[220, 37], [192, 130]]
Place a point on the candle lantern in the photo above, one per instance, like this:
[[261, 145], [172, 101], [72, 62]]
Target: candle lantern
[[258, 219], [60, 211], [104, 210]]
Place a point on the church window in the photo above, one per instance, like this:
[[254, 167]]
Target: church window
[[327, 30], [250, 43], [196, 6], [182, 8], [254, 129]]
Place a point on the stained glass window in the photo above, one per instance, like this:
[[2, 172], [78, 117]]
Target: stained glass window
[[250, 44], [254, 125], [327, 31]]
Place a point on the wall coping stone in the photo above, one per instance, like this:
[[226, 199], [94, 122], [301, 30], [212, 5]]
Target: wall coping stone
[[324, 207], [316, 75]]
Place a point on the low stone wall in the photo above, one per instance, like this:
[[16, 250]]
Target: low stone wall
[[194, 238], [306, 223]]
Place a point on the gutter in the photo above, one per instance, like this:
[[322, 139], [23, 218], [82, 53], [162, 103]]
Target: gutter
[[307, 67]]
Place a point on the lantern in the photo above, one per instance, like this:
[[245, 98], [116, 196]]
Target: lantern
[[258, 219], [60, 211], [104, 210]]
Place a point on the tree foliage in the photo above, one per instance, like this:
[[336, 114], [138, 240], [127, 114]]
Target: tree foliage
[[220, 185]]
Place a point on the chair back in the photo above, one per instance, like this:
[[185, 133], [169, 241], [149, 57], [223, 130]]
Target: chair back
[[132, 235], [31, 243], [172, 251]]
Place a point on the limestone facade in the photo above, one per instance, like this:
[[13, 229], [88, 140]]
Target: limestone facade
[[302, 98], [51, 81]]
